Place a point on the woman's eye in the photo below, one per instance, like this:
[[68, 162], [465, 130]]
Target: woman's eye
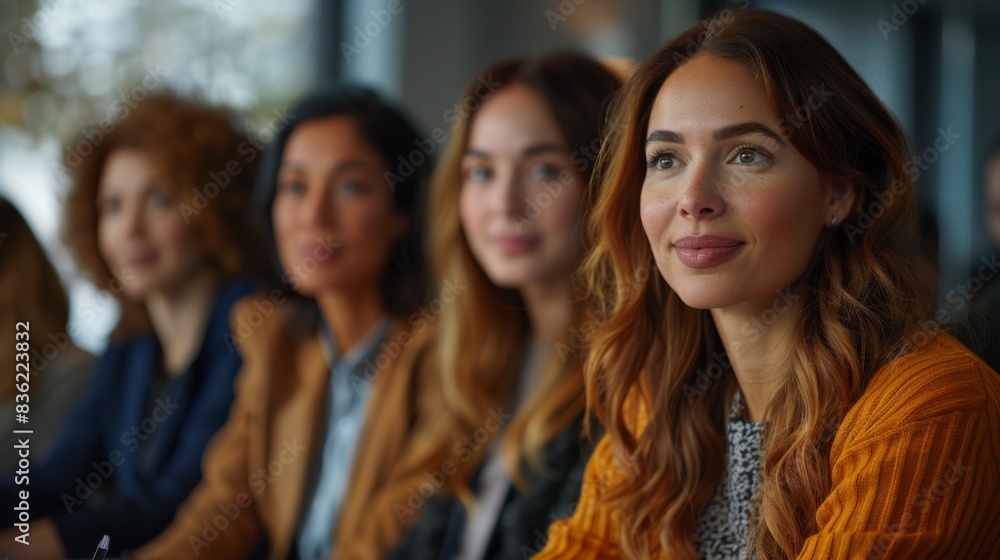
[[479, 173], [352, 187], [160, 201], [544, 172], [292, 187], [751, 155], [661, 162], [110, 206], [748, 156]]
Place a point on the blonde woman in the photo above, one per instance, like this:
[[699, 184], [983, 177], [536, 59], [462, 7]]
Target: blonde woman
[[501, 443]]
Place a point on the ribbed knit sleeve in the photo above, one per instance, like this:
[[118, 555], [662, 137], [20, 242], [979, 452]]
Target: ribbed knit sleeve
[[914, 466]]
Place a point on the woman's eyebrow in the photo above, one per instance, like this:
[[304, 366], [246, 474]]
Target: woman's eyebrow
[[532, 150], [746, 128], [664, 136], [541, 149], [354, 164], [290, 167], [723, 133], [344, 165]]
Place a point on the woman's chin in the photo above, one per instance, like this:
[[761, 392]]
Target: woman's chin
[[706, 299], [325, 283]]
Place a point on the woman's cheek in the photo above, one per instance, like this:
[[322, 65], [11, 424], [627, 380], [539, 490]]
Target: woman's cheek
[[107, 244], [563, 212], [785, 208], [369, 224], [653, 214]]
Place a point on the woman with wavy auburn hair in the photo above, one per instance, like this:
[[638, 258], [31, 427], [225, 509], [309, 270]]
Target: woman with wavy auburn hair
[[130, 449], [776, 392], [508, 199]]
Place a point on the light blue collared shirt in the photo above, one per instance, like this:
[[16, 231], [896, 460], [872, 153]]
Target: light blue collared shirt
[[347, 404]]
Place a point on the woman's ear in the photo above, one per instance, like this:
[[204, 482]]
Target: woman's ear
[[841, 200]]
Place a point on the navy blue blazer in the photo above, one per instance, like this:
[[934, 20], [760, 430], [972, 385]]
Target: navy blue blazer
[[93, 482]]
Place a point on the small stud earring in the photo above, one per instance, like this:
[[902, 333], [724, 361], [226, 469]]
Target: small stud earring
[[833, 221]]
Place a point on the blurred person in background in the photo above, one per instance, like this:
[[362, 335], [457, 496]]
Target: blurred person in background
[[156, 215], [502, 441], [327, 396], [992, 194], [984, 312], [30, 291]]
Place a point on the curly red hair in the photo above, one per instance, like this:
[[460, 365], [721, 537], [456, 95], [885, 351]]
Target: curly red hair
[[193, 143]]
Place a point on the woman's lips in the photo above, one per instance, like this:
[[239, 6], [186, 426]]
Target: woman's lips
[[516, 245], [140, 260], [319, 251], [706, 251]]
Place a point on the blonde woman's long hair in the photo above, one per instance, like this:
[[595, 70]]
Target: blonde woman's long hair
[[481, 339]]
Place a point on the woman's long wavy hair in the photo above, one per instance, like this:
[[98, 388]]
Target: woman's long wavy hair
[[481, 340], [860, 296]]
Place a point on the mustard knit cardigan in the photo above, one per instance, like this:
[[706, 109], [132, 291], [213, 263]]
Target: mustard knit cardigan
[[914, 468]]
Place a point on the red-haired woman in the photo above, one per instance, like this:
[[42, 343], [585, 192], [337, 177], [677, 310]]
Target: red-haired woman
[[776, 391], [148, 220]]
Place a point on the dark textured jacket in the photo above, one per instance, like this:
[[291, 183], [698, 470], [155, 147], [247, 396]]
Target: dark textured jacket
[[521, 528]]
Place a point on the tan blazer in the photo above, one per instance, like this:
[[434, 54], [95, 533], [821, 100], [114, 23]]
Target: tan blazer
[[256, 468]]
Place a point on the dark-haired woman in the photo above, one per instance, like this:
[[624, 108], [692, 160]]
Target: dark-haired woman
[[131, 449], [326, 397]]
